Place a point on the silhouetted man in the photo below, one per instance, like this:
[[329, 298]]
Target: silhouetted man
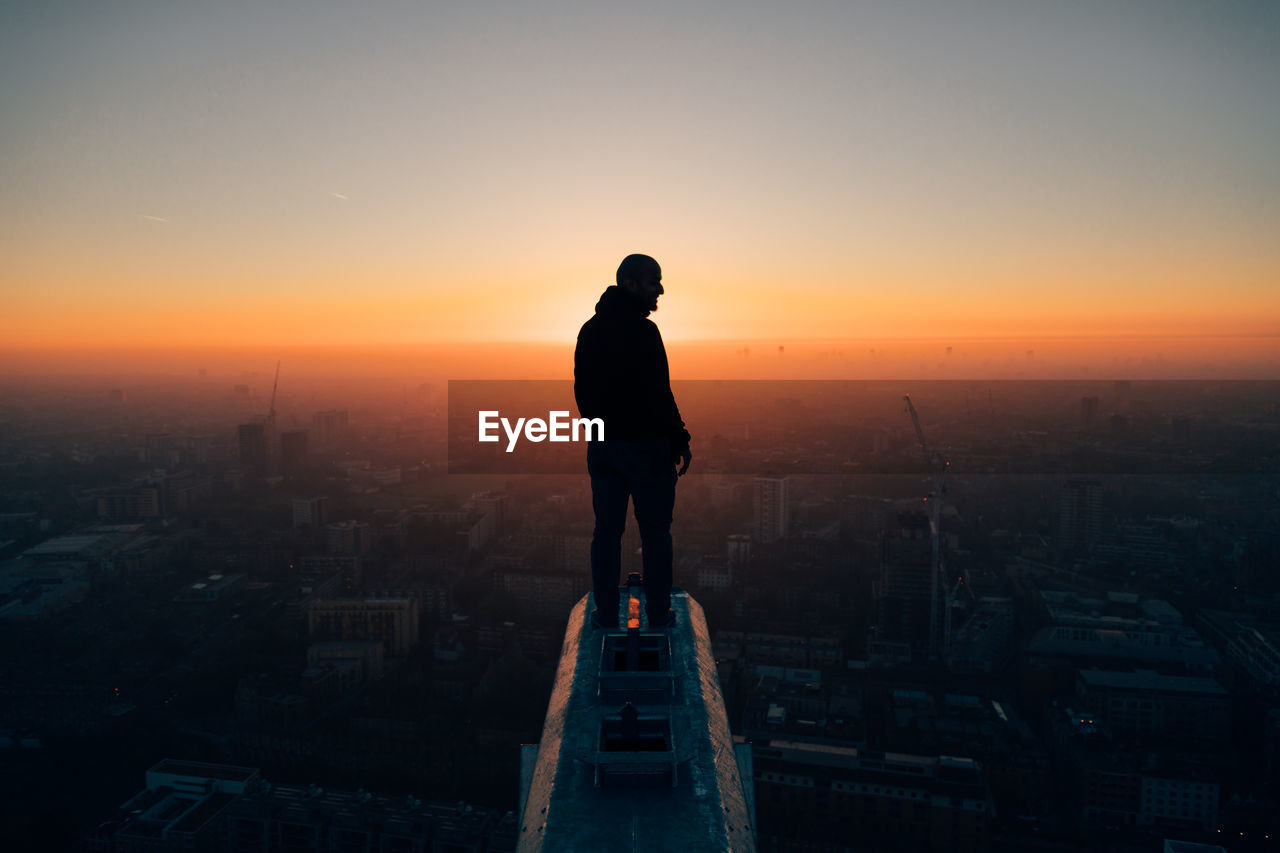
[[620, 375]]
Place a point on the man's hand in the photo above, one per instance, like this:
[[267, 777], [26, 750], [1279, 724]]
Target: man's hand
[[686, 457]]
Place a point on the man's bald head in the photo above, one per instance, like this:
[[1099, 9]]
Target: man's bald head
[[641, 276], [637, 268]]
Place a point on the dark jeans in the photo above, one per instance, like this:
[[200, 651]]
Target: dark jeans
[[641, 470]]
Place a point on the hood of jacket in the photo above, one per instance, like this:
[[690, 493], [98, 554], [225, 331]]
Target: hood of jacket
[[619, 302]]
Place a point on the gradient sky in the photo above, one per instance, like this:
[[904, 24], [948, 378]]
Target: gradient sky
[[318, 173]]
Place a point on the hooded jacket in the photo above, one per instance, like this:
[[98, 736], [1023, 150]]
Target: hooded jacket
[[620, 374]]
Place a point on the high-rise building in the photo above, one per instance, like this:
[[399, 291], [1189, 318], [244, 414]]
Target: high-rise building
[[772, 509], [1080, 515], [309, 512], [391, 621], [738, 549], [905, 606], [184, 492], [329, 427], [347, 537], [984, 643], [293, 452], [133, 503], [712, 573], [1257, 659], [572, 553], [1088, 411], [865, 516], [545, 596], [161, 450], [348, 568], [494, 503], [253, 449]]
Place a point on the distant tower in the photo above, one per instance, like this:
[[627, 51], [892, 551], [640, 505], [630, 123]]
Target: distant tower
[[1088, 411], [492, 503], [271, 420], [293, 452], [772, 509], [253, 449], [329, 427], [347, 537], [738, 549], [309, 512], [905, 608], [1080, 515]]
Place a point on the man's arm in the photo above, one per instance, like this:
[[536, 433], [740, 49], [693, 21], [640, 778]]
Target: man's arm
[[588, 385], [678, 435], [579, 377]]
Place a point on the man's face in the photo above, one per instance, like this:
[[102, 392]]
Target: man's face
[[647, 287]]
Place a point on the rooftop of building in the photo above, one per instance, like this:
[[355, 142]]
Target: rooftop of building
[[1174, 846], [161, 811], [216, 581], [203, 811], [1149, 680], [591, 785], [1184, 647], [959, 777], [1069, 603], [1095, 746], [86, 543], [397, 814], [989, 617], [357, 602], [199, 769]]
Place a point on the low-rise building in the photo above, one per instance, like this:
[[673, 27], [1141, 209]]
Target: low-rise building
[[390, 621], [1147, 704], [819, 793]]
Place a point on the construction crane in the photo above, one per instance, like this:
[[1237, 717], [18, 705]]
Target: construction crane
[[269, 429], [271, 411], [934, 461]]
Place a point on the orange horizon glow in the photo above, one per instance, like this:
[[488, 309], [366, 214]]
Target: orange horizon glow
[[211, 316], [1066, 357], [164, 293]]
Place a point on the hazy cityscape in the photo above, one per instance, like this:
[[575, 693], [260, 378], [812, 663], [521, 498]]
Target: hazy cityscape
[[280, 586], [966, 351]]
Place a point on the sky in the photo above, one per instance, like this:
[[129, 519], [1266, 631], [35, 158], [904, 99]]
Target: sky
[[309, 173]]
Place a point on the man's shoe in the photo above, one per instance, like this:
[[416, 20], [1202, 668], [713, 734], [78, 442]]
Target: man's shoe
[[598, 622], [665, 622]]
